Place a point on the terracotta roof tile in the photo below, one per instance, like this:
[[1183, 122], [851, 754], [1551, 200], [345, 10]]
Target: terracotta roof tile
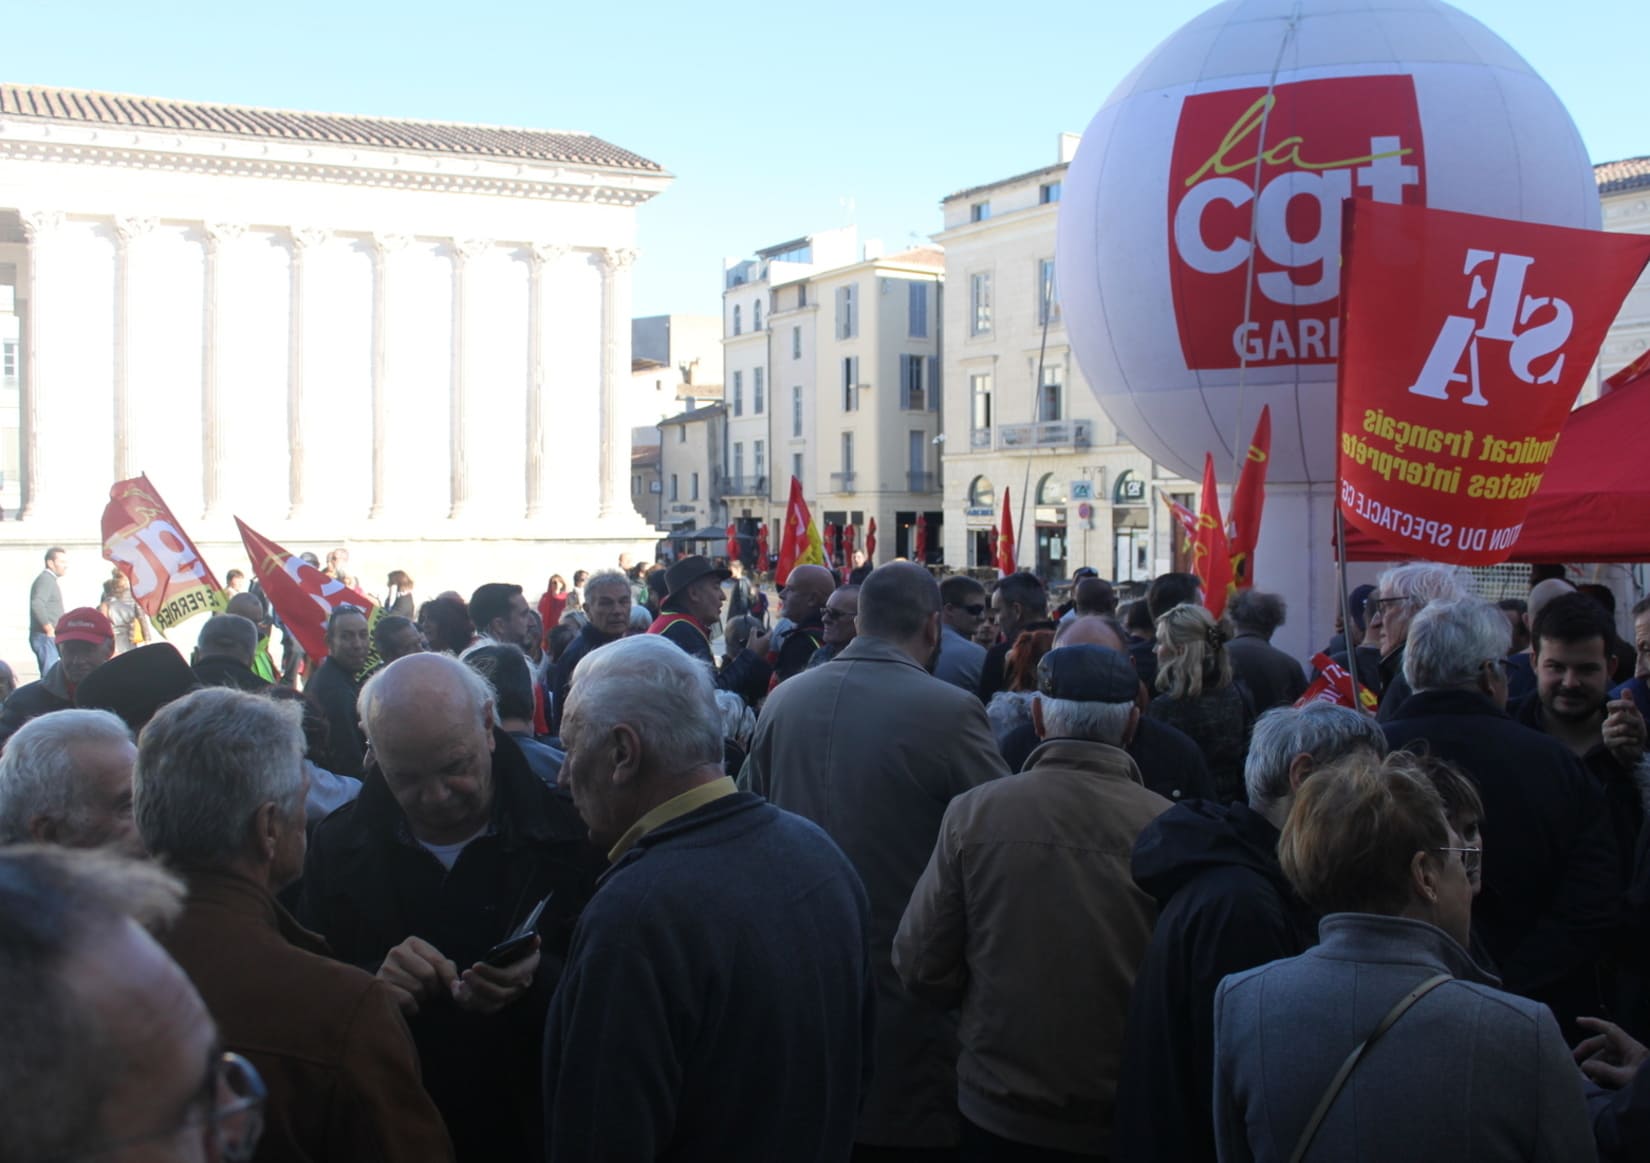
[[536, 145], [1628, 174]]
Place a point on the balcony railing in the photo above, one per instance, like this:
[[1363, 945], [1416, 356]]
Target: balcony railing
[[745, 486], [917, 481], [1049, 434], [979, 438], [842, 482]]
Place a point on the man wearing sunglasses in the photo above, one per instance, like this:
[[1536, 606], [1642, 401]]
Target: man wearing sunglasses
[[962, 612]]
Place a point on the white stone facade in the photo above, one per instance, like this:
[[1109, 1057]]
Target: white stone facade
[[1624, 190]]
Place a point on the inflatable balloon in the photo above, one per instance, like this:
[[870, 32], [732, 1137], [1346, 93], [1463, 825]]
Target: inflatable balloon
[[1200, 226]]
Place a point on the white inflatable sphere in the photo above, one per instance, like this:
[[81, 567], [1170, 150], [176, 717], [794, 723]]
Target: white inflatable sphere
[[1164, 296]]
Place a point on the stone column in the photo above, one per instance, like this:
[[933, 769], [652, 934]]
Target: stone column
[[463, 251], [304, 239], [539, 256], [613, 494], [212, 450], [383, 246], [40, 229], [126, 231]]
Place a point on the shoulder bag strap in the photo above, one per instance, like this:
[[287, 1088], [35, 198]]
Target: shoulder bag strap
[[1358, 1052]]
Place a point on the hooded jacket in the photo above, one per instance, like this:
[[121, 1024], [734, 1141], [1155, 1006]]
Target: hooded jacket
[[1223, 906]]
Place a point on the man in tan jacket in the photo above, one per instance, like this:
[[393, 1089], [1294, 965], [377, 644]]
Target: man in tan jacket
[[1027, 918]]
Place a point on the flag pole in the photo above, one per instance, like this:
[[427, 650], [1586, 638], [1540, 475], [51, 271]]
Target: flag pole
[[1346, 602]]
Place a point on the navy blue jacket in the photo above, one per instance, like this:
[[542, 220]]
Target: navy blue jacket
[[717, 1002]]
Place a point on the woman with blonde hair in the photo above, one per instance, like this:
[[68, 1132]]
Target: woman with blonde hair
[[1199, 696]]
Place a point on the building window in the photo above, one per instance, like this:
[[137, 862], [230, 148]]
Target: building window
[[912, 397], [694, 481], [1048, 293], [796, 465], [979, 303], [681, 434], [916, 451], [8, 354], [796, 343], [738, 393], [802, 294], [918, 327], [1048, 192], [979, 392], [847, 312], [982, 494], [1051, 394], [979, 211], [756, 390], [847, 453], [675, 488], [850, 383], [796, 411], [756, 315], [739, 465], [736, 318], [759, 457]]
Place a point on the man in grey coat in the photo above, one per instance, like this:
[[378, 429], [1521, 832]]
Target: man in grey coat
[[872, 748]]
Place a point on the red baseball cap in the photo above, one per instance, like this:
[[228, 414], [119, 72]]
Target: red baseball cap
[[84, 625]]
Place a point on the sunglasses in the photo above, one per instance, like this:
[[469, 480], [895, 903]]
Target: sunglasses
[[977, 609]]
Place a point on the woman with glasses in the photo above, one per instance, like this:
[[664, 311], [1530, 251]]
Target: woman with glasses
[[1387, 1041], [1200, 697]]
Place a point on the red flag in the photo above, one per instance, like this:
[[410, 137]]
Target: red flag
[[1335, 684], [733, 543], [302, 595], [920, 550], [799, 544], [170, 581], [762, 547], [871, 543], [1638, 370], [1005, 538], [1186, 519], [991, 546], [1247, 501], [1464, 341], [830, 543], [1211, 556]]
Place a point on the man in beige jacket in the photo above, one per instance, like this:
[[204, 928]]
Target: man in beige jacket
[[1028, 919]]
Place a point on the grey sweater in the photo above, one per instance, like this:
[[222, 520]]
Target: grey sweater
[[1469, 1072]]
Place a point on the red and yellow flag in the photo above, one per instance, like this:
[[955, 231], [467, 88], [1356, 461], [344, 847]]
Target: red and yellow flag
[[1006, 549], [1335, 684], [1247, 501], [800, 543], [170, 581], [302, 595], [1211, 555]]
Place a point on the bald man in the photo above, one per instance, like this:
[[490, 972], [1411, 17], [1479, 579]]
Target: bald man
[[1171, 764], [802, 599], [251, 607], [450, 845]]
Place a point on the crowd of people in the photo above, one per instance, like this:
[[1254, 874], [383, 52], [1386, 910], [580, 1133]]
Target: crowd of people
[[880, 865]]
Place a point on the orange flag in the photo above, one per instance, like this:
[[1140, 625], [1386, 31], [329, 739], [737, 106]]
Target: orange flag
[[1247, 501], [1211, 555]]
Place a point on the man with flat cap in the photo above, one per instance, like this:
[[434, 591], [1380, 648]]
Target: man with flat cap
[[1017, 860], [692, 605]]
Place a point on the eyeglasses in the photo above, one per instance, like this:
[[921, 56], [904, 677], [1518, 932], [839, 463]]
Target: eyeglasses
[[1373, 606], [977, 609], [235, 1121], [830, 615], [1472, 859]]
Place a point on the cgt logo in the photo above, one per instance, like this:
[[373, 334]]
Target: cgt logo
[[1325, 141]]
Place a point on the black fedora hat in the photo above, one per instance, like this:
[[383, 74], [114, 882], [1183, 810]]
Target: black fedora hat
[[689, 570]]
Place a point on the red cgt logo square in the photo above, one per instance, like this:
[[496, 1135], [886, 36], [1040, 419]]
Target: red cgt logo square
[[1281, 164]]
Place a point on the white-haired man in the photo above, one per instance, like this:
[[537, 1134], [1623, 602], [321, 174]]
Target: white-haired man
[[725, 948], [1016, 860], [1400, 594], [1223, 907], [1549, 867], [219, 797], [442, 857], [66, 778]]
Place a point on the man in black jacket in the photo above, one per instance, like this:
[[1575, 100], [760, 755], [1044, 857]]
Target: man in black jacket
[[1551, 892], [1223, 906], [1274, 679], [224, 653], [693, 604], [449, 847], [607, 605], [802, 599], [336, 685], [1402, 593], [1019, 602]]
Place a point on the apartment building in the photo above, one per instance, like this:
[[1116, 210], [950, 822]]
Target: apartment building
[[1018, 414], [691, 475]]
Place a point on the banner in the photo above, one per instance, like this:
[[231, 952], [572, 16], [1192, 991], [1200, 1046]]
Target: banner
[[1335, 684], [170, 581], [1465, 341], [1211, 555], [302, 595], [799, 543], [1248, 499]]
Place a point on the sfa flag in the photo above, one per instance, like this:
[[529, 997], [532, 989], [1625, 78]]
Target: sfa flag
[[170, 580], [1464, 342]]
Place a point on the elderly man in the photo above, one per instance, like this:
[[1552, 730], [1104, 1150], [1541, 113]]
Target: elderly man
[[1400, 594], [85, 641], [66, 778], [113, 1056], [224, 654], [607, 604], [1274, 679], [499, 611], [872, 748], [445, 853], [1223, 906], [336, 686], [1549, 870], [506, 670], [841, 621], [1018, 859], [802, 604], [395, 636], [962, 608], [219, 797], [693, 604], [725, 948]]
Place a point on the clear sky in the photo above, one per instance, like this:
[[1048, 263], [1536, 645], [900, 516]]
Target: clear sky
[[777, 119]]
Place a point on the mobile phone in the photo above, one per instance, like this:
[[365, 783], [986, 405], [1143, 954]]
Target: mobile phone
[[519, 943]]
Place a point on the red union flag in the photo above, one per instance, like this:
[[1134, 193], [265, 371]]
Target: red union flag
[[1335, 684], [169, 579], [1466, 341], [302, 595], [1324, 141]]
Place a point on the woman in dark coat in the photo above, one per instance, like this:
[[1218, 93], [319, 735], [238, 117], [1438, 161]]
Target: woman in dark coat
[[1199, 696]]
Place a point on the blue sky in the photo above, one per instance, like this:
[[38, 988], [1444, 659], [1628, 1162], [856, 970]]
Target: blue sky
[[772, 116]]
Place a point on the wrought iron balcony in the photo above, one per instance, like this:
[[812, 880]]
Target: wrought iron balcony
[[745, 486], [1049, 434], [842, 482]]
